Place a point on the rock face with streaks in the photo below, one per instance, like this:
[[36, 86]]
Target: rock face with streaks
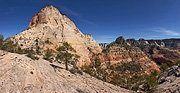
[[50, 28], [19, 74]]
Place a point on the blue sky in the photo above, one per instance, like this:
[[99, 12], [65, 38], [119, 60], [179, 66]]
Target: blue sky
[[105, 20]]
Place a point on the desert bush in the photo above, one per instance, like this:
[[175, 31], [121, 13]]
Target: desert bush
[[163, 67], [150, 83], [9, 45], [76, 70], [177, 62], [31, 72], [31, 55], [48, 42], [48, 55], [89, 49]]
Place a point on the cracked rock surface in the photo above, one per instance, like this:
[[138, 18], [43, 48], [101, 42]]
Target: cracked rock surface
[[20, 74]]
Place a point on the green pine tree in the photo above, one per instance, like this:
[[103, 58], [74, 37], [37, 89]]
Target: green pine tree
[[65, 54]]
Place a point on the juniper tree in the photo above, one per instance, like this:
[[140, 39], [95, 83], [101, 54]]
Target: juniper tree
[[65, 54]]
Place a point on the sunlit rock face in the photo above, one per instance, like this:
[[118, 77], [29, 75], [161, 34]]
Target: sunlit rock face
[[20, 74], [53, 26], [118, 54]]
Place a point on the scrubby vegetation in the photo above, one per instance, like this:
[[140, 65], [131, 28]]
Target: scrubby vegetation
[[163, 67], [76, 70], [48, 42], [31, 72], [126, 75], [31, 54], [9, 45], [90, 51], [37, 47], [150, 82], [48, 55]]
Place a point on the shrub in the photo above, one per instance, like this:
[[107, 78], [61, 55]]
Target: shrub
[[132, 67], [97, 62], [31, 55], [48, 54], [74, 70], [89, 50], [177, 62], [9, 45], [31, 72], [163, 67], [87, 69], [37, 50], [48, 42], [105, 51], [135, 87], [150, 83], [80, 72]]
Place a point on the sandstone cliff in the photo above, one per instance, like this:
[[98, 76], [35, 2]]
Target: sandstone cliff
[[160, 51], [118, 54], [49, 28]]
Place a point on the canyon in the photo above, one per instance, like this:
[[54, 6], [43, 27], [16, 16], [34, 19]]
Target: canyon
[[116, 63]]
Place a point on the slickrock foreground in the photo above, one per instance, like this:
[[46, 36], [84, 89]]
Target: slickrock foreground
[[19, 74], [170, 81]]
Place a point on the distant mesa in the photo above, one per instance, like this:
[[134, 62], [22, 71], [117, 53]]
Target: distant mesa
[[166, 43]]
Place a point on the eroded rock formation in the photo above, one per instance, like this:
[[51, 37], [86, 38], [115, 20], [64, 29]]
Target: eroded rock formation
[[160, 51], [117, 54], [166, 43], [50, 28]]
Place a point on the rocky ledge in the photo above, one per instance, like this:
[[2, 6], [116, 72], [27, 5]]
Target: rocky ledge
[[170, 82]]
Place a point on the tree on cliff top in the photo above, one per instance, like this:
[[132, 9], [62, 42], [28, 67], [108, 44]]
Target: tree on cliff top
[[64, 54]]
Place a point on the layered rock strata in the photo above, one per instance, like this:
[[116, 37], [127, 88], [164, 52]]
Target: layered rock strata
[[166, 43]]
